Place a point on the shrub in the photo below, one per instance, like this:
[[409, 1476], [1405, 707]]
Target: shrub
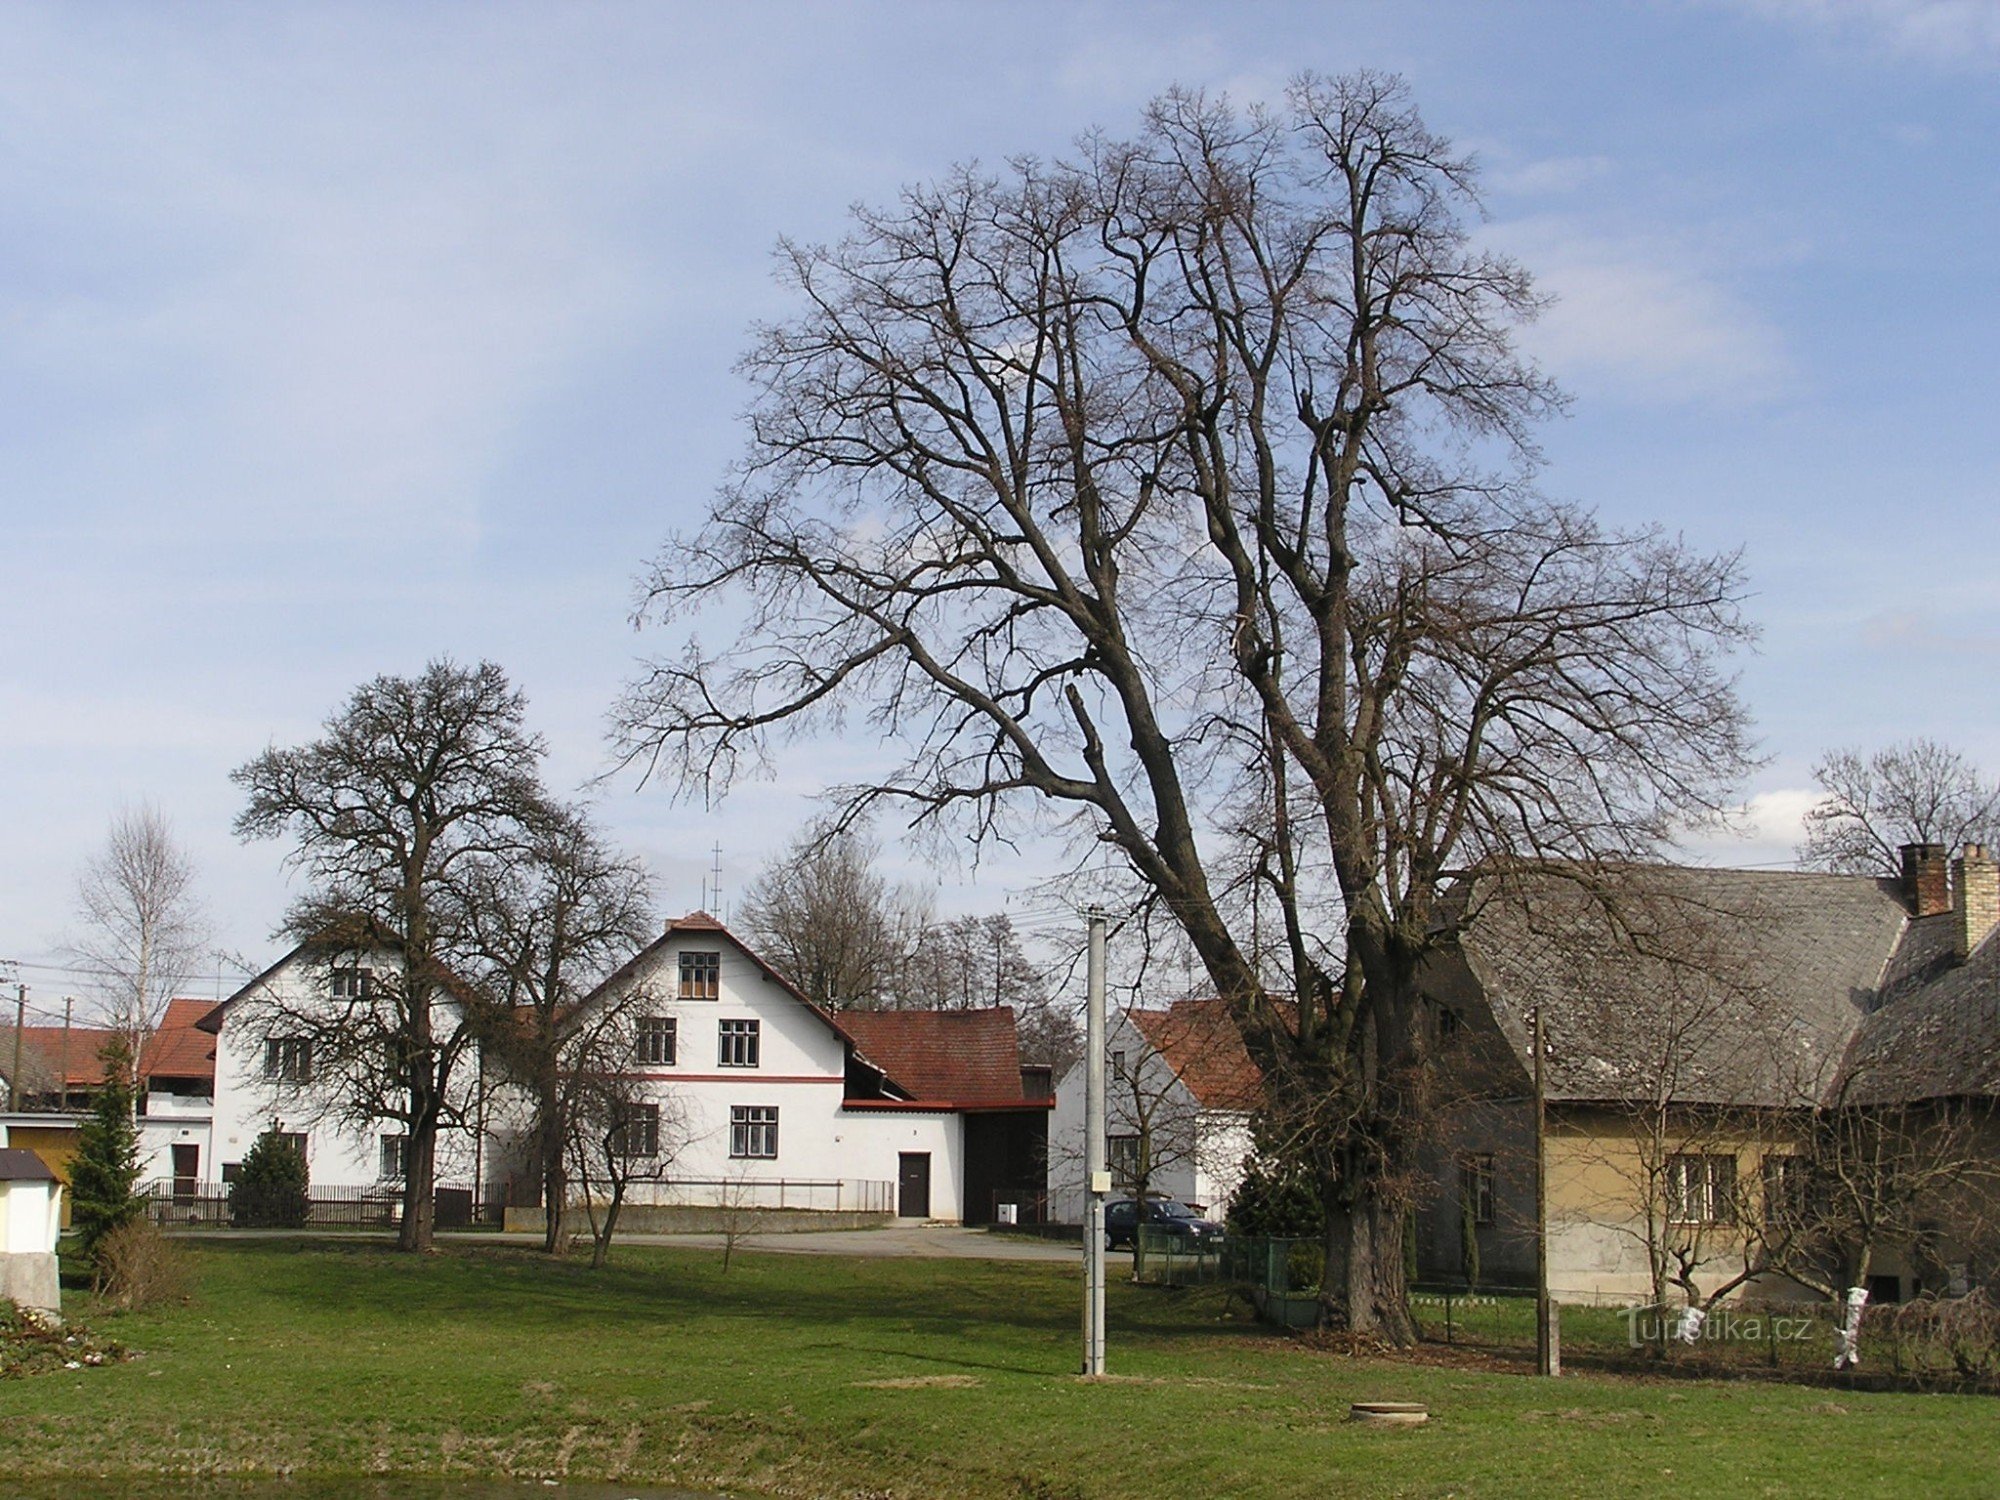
[[138, 1267], [1277, 1198], [270, 1188], [104, 1173]]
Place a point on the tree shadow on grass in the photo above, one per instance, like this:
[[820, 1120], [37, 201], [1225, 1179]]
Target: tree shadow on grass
[[527, 1293]]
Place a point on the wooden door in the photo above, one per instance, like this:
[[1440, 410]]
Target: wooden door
[[913, 1185], [187, 1173]]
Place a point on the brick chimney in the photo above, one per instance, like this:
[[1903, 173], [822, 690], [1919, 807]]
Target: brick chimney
[[1926, 880], [1976, 896]]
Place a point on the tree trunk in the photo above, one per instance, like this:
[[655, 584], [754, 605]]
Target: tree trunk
[[420, 1187], [600, 1249], [555, 1180], [1363, 1290]]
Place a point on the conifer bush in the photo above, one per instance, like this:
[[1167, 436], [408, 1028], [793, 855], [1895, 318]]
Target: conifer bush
[[104, 1173], [270, 1188]]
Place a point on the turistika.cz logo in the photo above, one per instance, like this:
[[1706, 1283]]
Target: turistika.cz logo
[[1645, 1326]]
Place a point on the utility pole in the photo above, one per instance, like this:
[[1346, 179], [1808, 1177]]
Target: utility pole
[[1548, 1352], [1098, 1177], [62, 1084], [20, 1024]]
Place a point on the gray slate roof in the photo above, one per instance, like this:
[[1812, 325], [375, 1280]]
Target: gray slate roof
[[1728, 987], [1939, 1041]]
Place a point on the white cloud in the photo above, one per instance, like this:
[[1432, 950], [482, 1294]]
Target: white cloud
[[1651, 318], [1550, 177], [1951, 33], [1765, 831]]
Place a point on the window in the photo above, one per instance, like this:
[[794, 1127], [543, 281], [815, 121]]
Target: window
[[636, 1131], [1786, 1195], [288, 1059], [701, 976], [296, 1140], [1701, 1189], [353, 984], [395, 1158], [656, 1042], [1122, 1152], [1475, 1187], [738, 1047], [1447, 1026], [753, 1129], [1118, 1063]]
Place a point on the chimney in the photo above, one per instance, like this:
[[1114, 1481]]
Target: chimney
[[1925, 883], [1976, 892]]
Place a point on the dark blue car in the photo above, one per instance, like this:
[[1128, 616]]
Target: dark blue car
[[1163, 1216]]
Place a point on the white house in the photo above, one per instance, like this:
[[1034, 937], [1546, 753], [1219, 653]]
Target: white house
[[266, 1078], [750, 1093], [763, 1095], [1180, 1092], [62, 1068]]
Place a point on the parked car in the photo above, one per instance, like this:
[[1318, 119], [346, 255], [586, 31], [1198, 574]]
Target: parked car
[[1163, 1216]]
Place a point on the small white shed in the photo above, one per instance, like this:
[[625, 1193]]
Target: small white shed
[[30, 1221]]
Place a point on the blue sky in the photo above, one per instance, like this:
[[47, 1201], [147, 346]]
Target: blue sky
[[334, 338]]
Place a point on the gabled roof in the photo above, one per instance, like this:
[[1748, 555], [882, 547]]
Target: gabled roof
[[56, 1058], [950, 1059], [1203, 1044], [700, 923], [179, 1048], [1733, 987], [18, 1164], [1941, 1040]]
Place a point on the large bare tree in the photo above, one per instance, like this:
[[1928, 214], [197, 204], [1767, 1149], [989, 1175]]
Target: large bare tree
[[550, 926], [398, 813], [145, 933], [1916, 792], [1177, 493], [836, 928]]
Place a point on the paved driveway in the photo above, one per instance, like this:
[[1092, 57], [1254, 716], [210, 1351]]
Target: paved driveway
[[916, 1241]]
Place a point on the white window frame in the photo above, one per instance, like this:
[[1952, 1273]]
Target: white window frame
[[1701, 1187], [753, 1132], [739, 1043]]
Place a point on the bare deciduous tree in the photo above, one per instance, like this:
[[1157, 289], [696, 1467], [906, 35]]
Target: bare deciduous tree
[[822, 915], [1176, 495], [550, 926], [1918, 792], [399, 811], [145, 934], [620, 1130]]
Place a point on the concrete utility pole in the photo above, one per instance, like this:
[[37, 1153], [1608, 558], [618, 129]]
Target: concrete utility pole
[[1548, 1350], [1098, 1176], [20, 1022], [62, 1083]]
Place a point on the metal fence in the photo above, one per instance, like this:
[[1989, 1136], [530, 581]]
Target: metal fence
[[180, 1202], [824, 1194]]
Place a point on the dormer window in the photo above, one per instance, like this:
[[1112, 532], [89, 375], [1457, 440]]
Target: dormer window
[[701, 975]]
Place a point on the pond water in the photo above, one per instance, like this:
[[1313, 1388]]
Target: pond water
[[361, 1488]]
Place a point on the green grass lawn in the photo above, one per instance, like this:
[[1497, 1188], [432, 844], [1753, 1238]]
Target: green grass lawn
[[827, 1376]]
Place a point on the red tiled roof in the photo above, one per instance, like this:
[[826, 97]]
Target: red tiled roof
[[1202, 1042], [178, 1049], [961, 1058], [175, 1050]]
